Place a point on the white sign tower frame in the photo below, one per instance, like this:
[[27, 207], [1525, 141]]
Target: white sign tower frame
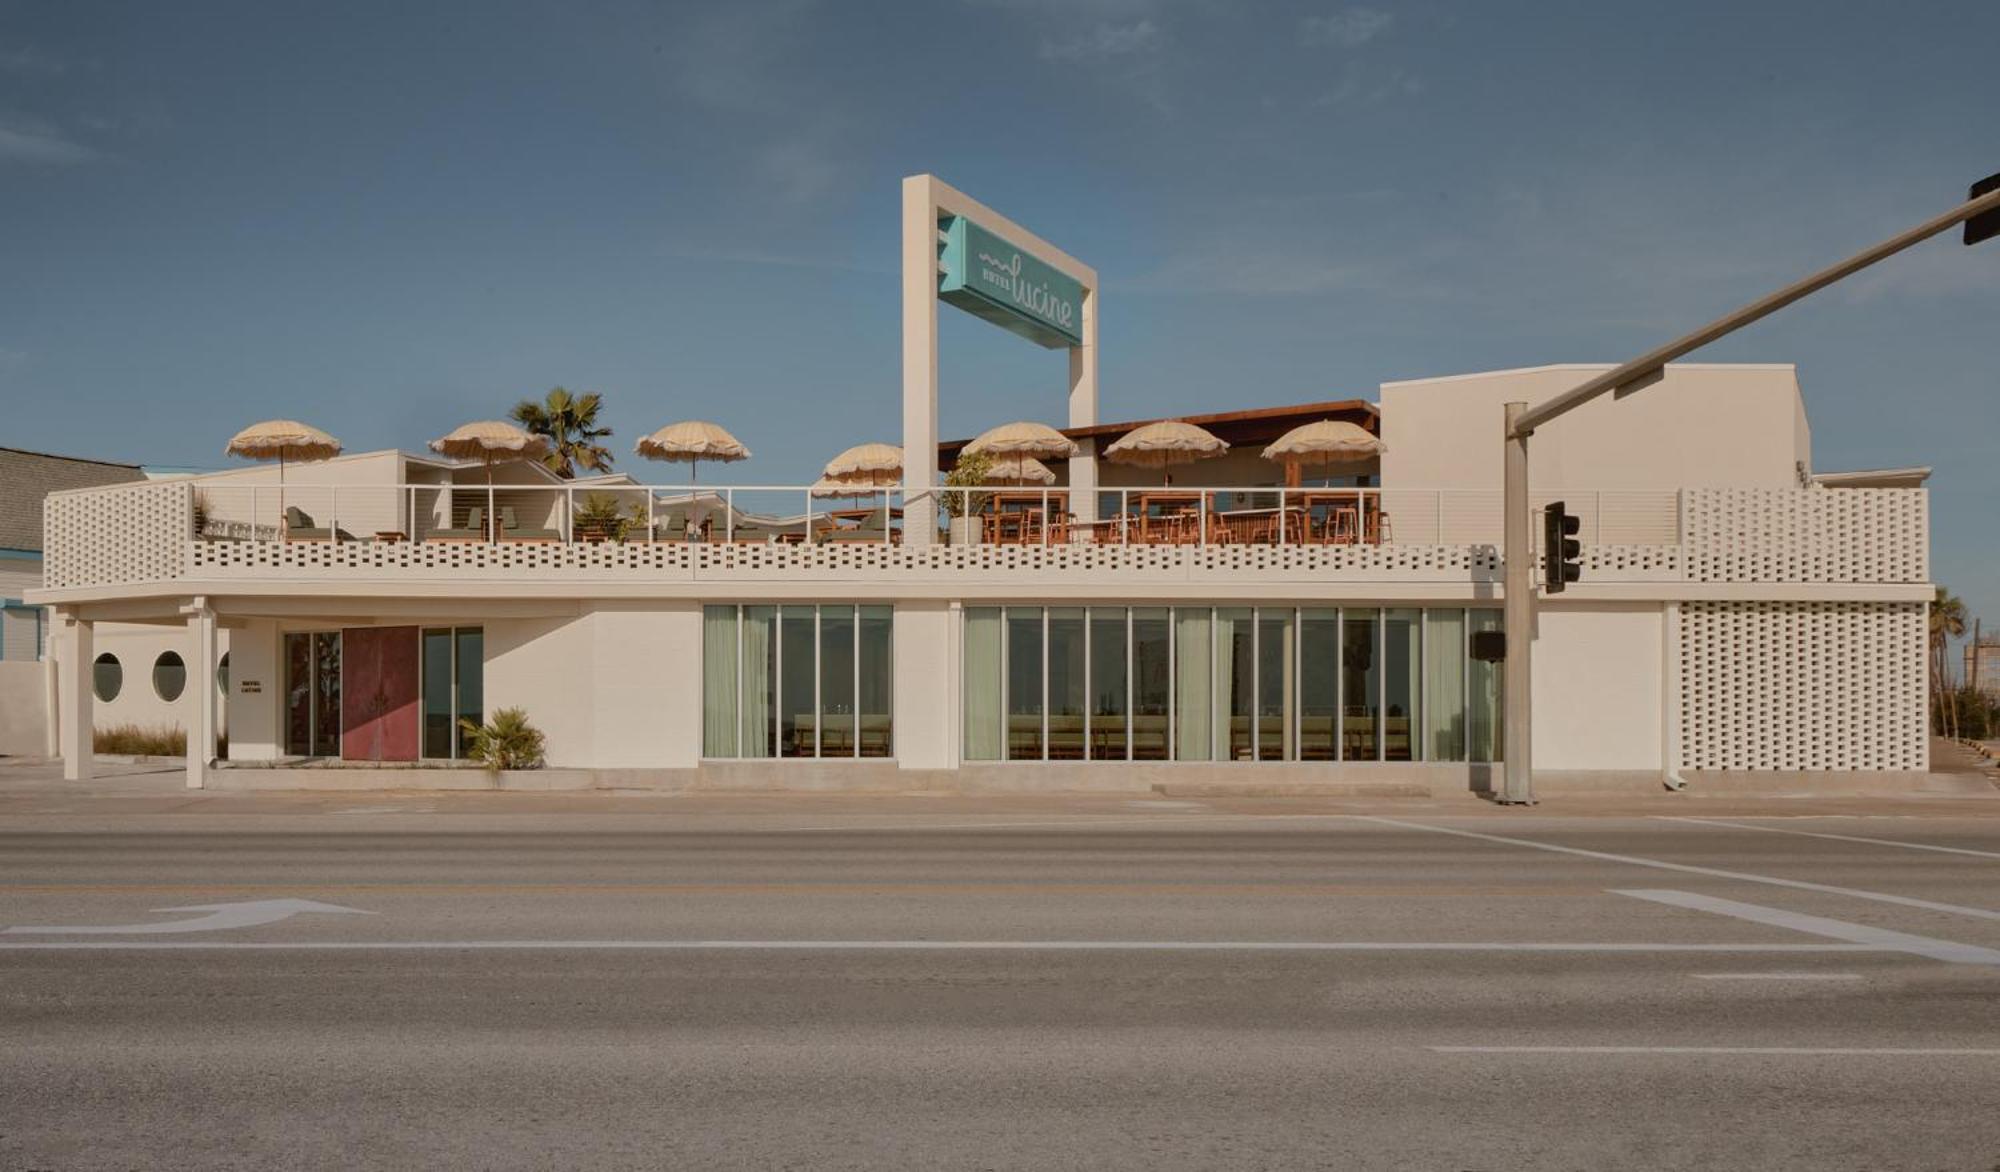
[[926, 198]]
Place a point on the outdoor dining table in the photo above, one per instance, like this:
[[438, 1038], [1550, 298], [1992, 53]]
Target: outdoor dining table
[[1174, 510], [1261, 524], [1366, 506]]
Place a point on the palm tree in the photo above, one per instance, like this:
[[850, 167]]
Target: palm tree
[[570, 423], [1947, 623]]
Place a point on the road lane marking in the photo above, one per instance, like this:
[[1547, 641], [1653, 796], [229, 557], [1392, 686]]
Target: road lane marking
[[1690, 869], [1322, 946], [1949, 950], [1776, 976], [1915, 846], [220, 917], [1799, 1051]]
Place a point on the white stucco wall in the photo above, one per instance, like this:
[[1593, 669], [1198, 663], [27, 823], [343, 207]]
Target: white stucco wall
[[926, 685], [1701, 426], [138, 647], [614, 687], [1598, 683], [254, 707]]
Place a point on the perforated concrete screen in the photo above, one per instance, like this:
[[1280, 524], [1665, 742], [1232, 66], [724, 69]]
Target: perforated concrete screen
[[1802, 686], [1807, 535], [113, 536]]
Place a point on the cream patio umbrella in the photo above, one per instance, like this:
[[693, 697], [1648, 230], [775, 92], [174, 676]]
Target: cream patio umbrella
[[1325, 442], [1009, 444], [1023, 470], [491, 441], [1165, 444], [282, 440], [690, 442], [868, 465]]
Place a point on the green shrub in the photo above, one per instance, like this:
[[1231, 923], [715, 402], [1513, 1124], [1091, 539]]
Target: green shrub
[[507, 741], [140, 740], [970, 472]]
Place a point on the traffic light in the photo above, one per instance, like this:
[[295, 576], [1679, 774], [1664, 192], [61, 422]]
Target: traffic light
[[1985, 225], [1560, 548]]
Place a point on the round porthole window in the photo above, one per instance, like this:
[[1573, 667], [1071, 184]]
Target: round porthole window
[[170, 675], [107, 676], [222, 674]]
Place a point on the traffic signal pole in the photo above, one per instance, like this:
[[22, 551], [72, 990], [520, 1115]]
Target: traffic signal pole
[[1517, 787]]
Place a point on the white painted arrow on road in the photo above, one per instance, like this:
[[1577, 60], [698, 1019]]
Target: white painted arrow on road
[[221, 916]]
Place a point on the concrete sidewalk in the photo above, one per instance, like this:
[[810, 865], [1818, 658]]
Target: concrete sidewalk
[[36, 788]]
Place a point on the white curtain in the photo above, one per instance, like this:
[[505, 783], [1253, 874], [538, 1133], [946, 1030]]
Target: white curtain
[[1194, 713], [718, 681], [1444, 685], [983, 715], [756, 692]]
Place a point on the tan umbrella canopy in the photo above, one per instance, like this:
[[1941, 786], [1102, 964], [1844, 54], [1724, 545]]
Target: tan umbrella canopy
[[493, 441], [1325, 442], [282, 440], [867, 465], [1010, 444], [1165, 444], [690, 442], [1021, 470], [826, 486]]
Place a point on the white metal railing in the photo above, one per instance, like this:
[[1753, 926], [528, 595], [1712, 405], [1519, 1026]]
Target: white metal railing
[[997, 514]]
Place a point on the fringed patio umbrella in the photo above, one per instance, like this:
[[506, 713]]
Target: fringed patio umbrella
[[491, 441], [690, 442], [868, 465], [1325, 443], [1010, 444], [1165, 444], [1022, 470], [282, 440]]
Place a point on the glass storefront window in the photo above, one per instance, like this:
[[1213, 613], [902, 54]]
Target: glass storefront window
[[326, 694], [984, 706], [1152, 682], [1194, 715], [1360, 685], [797, 681], [1276, 679], [312, 694], [1444, 685], [838, 726], [1025, 681], [453, 674], [1066, 694], [1319, 685], [1402, 665], [1109, 689], [439, 735], [1235, 682], [875, 645]]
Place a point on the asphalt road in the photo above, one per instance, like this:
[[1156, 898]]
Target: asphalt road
[[1176, 986]]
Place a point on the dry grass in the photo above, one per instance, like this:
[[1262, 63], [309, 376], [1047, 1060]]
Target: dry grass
[[141, 741]]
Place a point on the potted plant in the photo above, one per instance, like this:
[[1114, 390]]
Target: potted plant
[[601, 518], [964, 507], [507, 741]]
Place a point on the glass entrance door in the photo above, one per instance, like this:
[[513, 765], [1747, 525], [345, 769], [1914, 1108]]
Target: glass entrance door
[[312, 694]]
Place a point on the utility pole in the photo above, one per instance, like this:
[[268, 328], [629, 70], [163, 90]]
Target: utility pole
[[1981, 215]]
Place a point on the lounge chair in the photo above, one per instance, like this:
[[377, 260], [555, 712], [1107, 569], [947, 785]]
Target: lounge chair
[[510, 529], [299, 527], [475, 528]]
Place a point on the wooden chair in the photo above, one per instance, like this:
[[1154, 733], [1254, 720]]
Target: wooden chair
[[1343, 525]]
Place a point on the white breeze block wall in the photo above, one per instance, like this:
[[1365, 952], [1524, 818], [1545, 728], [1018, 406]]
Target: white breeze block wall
[[1803, 685]]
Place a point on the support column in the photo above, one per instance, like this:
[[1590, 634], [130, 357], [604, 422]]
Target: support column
[[74, 715], [1517, 786], [201, 680], [1083, 413], [920, 363]]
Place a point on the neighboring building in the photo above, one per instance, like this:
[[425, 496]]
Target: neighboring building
[[25, 478], [1982, 667]]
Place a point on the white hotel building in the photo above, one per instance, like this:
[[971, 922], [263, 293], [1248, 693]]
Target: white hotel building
[[1738, 613]]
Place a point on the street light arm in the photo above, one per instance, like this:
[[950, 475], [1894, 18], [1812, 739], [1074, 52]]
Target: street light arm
[[1650, 362]]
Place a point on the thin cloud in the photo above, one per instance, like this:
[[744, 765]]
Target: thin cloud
[[28, 141], [1348, 29], [27, 62], [1104, 43]]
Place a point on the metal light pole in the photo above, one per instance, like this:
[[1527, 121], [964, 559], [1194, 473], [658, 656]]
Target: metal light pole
[[1517, 786]]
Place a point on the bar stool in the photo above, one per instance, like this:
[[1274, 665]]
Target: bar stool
[[1383, 533], [1343, 525]]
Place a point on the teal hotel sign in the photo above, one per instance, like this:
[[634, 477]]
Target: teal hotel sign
[[986, 276]]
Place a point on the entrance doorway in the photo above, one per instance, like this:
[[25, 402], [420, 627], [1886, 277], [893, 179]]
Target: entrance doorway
[[312, 694]]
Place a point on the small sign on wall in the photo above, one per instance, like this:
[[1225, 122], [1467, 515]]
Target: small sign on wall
[[250, 687]]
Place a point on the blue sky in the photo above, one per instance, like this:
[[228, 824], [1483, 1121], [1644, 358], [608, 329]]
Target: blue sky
[[390, 218]]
